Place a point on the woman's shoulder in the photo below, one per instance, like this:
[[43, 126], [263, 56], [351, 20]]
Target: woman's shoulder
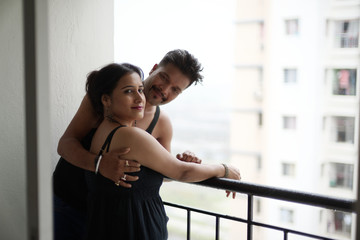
[[129, 130], [129, 133], [133, 137]]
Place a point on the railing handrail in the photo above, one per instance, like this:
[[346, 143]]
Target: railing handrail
[[340, 204]]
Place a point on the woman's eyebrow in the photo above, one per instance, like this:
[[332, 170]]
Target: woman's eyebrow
[[129, 86], [132, 86]]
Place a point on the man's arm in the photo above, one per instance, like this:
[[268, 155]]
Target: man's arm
[[164, 131], [69, 146], [112, 166]]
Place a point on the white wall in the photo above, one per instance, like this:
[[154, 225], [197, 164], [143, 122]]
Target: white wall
[[12, 121], [80, 40]]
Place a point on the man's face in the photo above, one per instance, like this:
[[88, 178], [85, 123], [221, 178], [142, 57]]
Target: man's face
[[164, 84]]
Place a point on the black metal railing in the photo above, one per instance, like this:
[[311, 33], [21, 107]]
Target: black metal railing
[[251, 190]]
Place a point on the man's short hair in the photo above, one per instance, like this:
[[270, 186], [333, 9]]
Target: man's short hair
[[186, 62]]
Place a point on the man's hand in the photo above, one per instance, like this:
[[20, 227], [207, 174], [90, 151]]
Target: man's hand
[[188, 156], [114, 167]]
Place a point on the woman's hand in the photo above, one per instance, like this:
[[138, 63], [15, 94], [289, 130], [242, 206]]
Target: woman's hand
[[234, 173]]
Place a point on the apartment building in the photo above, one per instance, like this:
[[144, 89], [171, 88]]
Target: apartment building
[[295, 124]]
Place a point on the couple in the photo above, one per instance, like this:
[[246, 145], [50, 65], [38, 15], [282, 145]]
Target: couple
[[115, 101]]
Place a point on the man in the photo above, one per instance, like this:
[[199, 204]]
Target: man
[[175, 72]]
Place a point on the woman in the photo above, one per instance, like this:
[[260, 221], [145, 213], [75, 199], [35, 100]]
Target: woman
[[116, 91]]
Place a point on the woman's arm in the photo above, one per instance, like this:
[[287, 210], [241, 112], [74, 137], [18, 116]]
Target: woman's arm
[[148, 152]]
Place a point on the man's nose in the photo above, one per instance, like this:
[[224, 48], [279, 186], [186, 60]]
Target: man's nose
[[165, 90]]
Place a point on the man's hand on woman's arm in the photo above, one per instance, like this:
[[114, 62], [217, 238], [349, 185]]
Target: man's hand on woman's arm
[[113, 167]]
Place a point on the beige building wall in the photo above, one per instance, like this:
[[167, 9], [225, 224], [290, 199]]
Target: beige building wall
[[263, 51], [246, 122], [80, 40]]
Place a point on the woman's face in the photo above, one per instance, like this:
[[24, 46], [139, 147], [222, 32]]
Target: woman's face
[[127, 101]]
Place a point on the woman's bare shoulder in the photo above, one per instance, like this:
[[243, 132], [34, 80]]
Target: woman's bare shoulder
[[128, 134], [141, 143]]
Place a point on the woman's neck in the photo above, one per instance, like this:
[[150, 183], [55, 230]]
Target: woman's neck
[[149, 106], [117, 121]]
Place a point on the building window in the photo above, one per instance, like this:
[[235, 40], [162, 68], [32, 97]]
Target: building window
[[289, 122], [258, 205], [258, 163], [292, 27], [341, 175], [290, 75], [260, 119], [343, 129], [288, 169], [262, 36], [344, 82], [286, 215], [340, 223], [347, 33]]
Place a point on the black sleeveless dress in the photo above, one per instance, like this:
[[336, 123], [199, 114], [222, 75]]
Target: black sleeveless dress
[[135, 213], [69, 181]]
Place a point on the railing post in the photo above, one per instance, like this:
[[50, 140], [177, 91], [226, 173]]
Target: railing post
[[286, 235], [188, 224], [250, 217], [217, 227]]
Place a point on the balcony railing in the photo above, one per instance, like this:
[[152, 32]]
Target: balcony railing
[[347, 40], [251, 190]]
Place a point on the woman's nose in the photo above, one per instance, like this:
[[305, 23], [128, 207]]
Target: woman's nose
[[139, 97]]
